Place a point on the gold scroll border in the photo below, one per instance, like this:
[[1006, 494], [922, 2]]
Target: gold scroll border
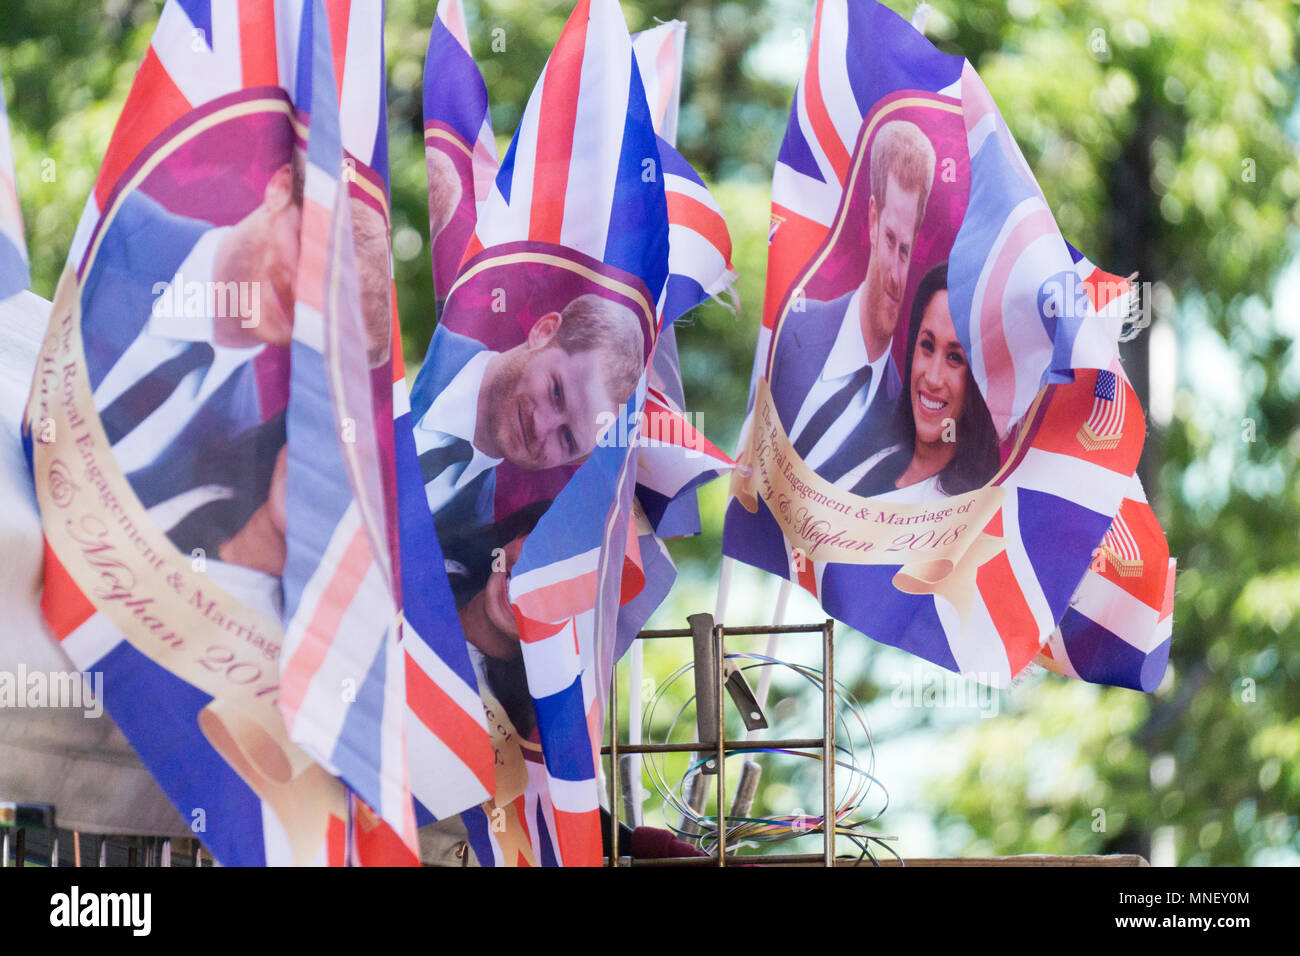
[[559, 261], [235, 729]]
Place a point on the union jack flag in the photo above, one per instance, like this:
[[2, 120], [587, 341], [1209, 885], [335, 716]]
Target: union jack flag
[[14, 274], [371, 688], [1037, 322], [592, 569], [1119, 623]]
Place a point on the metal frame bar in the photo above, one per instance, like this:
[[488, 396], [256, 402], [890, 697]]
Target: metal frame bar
[[723, 746]]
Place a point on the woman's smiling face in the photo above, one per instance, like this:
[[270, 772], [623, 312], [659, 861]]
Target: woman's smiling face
[[938, 386]]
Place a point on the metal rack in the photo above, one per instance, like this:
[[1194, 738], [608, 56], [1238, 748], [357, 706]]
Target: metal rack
[[720, 747]]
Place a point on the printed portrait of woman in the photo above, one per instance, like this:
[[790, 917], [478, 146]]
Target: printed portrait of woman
[[942, 439]]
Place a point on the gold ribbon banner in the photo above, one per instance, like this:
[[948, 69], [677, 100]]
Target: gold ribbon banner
[[940, 544], [164, 606]]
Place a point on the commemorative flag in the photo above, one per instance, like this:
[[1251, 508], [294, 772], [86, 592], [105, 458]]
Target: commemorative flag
[[218, 469], [14, 273], [940, 433], [551, 320]]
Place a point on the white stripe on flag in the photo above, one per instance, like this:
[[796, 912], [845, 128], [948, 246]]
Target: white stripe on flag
[[201, 74], [551, 664], [89, 643], [309, 327], [691, 189], [1133, 621], [556, 572], [85, 228], [598, 135], [1092, 486], [401, 399], [837, 95], [357, 639], [1023, 569], [691, 255], [288, 17], [359, 104], [463, 695], [975, 644], [573, 796], [438, 777]]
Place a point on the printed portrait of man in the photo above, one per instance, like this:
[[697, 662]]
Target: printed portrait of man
[[182, 317], [834, 380], [538, 405]]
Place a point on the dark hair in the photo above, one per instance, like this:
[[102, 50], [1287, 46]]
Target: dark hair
[[474, 550], [975, 460]]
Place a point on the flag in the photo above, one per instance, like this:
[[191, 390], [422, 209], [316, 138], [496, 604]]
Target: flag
[[578, 207], [699, 265], [1118, 625], [234, 397], [14, 272], [941, 433], [460, 146]]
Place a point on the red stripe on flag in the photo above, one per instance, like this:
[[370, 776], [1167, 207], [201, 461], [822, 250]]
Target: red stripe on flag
[[827, 136], [64, 605], [257, 53], [153, 104], [559, 601], [1009, 610], [399, 363], [559, 113], [694, 215], [297, 672], [448, 721], [1069, 406], [336, 839], [794, 243], [531, 631], [377, 843], [633, 565], [577, 835], [339, 12]]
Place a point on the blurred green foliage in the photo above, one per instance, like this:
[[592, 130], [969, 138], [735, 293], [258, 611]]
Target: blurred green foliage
[[1164, 135]]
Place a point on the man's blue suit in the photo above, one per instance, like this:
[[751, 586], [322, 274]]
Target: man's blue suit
[[472, 505], [225, 443], [802, 350]]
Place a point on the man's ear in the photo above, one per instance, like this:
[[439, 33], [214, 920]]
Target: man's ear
[[543, 331], [279, 189], [872, 215]]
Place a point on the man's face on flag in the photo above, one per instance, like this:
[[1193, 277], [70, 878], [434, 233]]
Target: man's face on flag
[[541, 406], [893, 233], [263, 249]]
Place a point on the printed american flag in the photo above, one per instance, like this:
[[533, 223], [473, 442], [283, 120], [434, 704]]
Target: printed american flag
[[14, 273], [1102, 429]]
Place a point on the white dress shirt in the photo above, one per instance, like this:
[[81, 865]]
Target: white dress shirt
[[165, 336], [452, 417], [847, 356], [922, 491]]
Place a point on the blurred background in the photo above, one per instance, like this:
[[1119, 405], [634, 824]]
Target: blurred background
[[1165, 135]]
